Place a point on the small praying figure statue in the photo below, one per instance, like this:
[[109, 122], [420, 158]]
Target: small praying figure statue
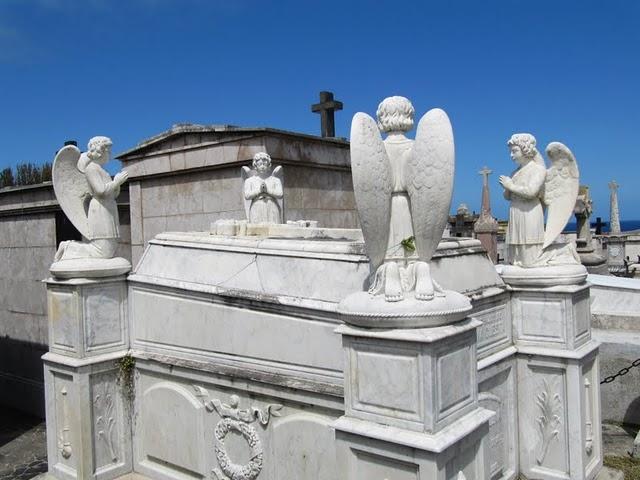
[[262, 191], [532, 187]]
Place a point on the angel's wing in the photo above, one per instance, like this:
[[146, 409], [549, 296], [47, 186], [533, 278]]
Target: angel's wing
[[560, 190], [245, 172], [372, 186], [71, 188], [429, 180], [279, 174]]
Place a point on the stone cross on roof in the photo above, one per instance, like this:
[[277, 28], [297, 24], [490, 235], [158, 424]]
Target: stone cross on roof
[[326, 109], [613, 185]]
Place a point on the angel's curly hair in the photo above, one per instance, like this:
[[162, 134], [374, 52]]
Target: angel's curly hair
[[526, 142], [261, 156], [395, 114], [96, 144]]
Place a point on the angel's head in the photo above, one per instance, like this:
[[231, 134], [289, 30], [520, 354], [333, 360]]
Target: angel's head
[[262, 162], [395, 114], [99, 149], [522, 147]]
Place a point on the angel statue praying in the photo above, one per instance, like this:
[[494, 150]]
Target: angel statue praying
[[403, 191], [262, 191], [530, 188], [87, 195]]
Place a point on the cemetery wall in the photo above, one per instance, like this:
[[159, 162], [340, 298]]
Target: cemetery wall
[[615, 315], [31, 225]]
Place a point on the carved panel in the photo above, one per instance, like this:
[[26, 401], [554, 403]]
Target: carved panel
[[387, 381], [65, 414], [107, 418], [495, 329], [543, 423], [103, 314], [541, 319], [582, 313], [454, 395], [63, 320], [172, 431], [304, 448], [238, 420], [497, 392]]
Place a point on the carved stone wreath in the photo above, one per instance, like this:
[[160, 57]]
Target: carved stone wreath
[[251, 470]]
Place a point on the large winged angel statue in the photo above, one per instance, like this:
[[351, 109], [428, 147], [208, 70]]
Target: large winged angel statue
[[403, 192], [262, 191], [87, 195], [532, 187]]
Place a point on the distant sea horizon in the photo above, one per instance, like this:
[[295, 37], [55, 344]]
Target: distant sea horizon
[[625, 225]]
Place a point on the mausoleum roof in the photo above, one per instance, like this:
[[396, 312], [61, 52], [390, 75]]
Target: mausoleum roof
[[191, 128]]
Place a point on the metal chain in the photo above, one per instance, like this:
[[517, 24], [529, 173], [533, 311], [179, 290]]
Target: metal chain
[[621, 372]]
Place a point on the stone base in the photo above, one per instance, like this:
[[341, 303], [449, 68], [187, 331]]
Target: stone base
[[610, 474], [370, 451], [544, 276], [90, 268], [559, 413], [366, 310], [88, 418]]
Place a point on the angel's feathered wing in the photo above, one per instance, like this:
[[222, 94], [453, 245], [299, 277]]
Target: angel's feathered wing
[[371, 172], [560, 190], [429, 180], [71, 188], [279, 174], [245, 172]]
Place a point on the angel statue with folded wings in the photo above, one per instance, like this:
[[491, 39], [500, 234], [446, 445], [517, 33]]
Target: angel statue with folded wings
[[532, 187], [262, 191], [403, 192], [87, 195]]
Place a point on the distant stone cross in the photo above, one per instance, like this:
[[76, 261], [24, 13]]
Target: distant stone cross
[[326, 109], [485, 172]]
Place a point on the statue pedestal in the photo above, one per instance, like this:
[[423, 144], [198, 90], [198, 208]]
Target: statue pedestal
[[411, 404], [558, 377], [86, 388]]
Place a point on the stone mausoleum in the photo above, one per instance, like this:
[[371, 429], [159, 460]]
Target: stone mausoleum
[[303, 351]]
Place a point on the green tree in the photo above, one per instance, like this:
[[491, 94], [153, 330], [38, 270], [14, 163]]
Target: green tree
[[6, 178]]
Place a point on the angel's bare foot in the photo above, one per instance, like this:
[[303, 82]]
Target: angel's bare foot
[[424, 284], [392, 283]]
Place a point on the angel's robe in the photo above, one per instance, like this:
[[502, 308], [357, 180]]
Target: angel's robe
[[400, 226], [525, 234], [264, 207], [103, 208]]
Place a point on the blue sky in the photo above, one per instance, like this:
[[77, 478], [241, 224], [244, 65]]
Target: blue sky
[[562, 70]]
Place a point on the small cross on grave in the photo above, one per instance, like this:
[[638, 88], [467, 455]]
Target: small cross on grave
[[326, 109], [599, 224]]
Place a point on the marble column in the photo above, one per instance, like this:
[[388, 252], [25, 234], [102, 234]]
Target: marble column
[[614, 217], [87, 386], [486, 227]]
